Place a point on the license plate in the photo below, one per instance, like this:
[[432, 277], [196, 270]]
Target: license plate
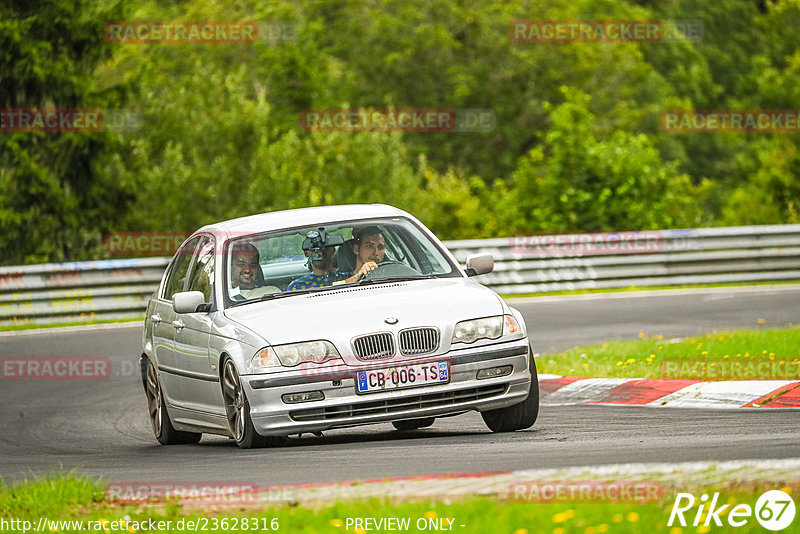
[[406, 376]]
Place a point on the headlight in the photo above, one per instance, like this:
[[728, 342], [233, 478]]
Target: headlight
[[295, 354], [475, 329], [486, 328]]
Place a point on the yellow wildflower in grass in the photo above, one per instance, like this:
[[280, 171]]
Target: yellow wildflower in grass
[[617, 518], [642, 334], [558, 530], [430, 514], [336, 522], [590, 530], [560, 517], [602, 528], [131, 529], [630, 360], [633, 517], [619, 363], [787, 490], [702, 529], [660, 347], [586, 365], [726, 356], [746, 354], [675, 530], [763, 352], [605, 345], [360, 531], [521, 531], [704, 352]]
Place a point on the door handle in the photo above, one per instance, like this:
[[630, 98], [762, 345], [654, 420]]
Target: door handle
[[156, 318], [178, 325]]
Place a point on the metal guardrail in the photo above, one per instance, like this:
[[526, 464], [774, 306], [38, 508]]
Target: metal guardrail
[[119, 289]]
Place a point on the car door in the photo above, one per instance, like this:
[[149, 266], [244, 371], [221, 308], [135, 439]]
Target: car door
[[199, 380], [163, 317]]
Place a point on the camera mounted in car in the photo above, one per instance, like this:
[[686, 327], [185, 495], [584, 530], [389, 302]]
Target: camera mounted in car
[[318, 239]]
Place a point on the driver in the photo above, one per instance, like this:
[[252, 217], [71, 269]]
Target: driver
[[323, 271], [370, 248], [247, 279]]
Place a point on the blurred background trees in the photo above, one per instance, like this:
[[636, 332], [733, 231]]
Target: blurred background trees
[[577, 146]]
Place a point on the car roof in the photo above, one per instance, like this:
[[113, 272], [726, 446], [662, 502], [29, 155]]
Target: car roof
[[277, 220]]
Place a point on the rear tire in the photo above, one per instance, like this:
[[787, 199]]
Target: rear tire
[[413, 424], [237, 408], [519, 416], [163, 430]]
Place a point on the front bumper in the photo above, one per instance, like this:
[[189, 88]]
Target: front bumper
[[343, 407]]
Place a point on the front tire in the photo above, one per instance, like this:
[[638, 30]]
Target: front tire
[[237, 408], [519, 416], [413, 424], [163, 430]]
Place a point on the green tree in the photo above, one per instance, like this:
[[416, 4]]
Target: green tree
[[578, 182], [55, 198]]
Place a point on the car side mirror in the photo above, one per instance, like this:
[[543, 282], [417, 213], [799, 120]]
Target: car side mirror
[[187, 301], [480, 264]]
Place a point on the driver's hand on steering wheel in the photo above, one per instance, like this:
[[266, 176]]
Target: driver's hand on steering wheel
[[366, 269]]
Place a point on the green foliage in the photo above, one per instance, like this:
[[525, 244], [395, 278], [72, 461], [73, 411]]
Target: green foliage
[[577, 182], [221, 134], [54, 200], [772, 193]]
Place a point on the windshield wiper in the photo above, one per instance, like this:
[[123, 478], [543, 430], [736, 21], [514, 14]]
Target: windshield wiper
[[270, 296], [403, 278], [282, 294]]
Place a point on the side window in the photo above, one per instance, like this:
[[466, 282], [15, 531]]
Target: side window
[[179, 268], [203, 269]]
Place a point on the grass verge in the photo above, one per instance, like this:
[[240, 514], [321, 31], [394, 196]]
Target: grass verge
[[34, 326], [643, 288], [769, 354], [67, 498]]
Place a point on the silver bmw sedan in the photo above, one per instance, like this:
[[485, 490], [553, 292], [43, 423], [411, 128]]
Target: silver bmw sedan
[[328, 317]]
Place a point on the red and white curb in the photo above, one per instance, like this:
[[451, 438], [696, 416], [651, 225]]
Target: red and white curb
[[556, 390], [504, 484]]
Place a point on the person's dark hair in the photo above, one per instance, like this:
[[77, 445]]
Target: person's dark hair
[[244, 248], [368, 230]]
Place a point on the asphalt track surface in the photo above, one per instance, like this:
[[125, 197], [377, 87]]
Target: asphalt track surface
[[101, 428]]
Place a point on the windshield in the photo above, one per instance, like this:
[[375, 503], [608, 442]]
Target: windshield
[[320, 257]]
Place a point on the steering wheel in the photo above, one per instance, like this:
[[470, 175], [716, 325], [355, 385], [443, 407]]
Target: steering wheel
[[391, 268]]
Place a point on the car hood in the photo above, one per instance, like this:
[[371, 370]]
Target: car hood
[[342, 314]]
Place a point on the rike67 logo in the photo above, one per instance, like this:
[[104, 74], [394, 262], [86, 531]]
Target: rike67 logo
[[774, 510]]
